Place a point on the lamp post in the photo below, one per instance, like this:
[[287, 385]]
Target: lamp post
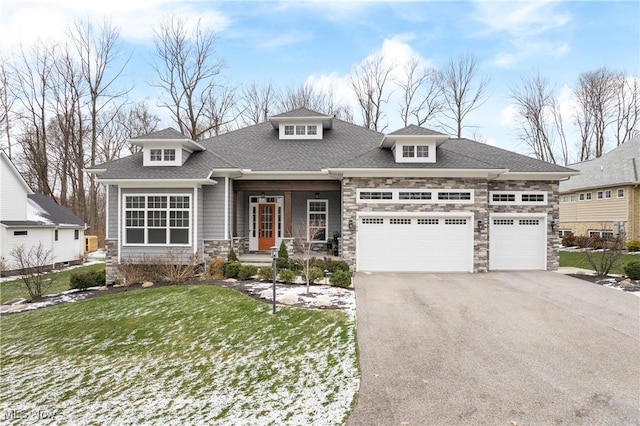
[[274, 257]]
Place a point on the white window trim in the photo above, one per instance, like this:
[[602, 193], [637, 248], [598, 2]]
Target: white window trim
[[296, 126], [326, 221], [400, 158], [518, 198], [123, 226], [395, 196], [147, 161]]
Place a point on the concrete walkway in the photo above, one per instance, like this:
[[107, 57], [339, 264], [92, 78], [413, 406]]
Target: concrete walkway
[[498, 349]]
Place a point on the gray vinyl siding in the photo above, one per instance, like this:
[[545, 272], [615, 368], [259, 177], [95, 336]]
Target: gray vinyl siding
[[299, 211], [113, 212], [213, 213], [141, 253]]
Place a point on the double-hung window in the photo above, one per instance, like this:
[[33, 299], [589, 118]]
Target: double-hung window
[[157, 219], [317, 211]]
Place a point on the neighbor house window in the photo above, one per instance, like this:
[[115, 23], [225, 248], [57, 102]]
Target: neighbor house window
[[317, 213], [582, 197], [18, 233], [621, 193], [157, 219], [55, 235], [600, 195], [587, 196], [288, 130], [607, 193], [156, 155], [76, 234]]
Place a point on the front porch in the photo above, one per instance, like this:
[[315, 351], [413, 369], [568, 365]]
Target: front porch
[[266, 213]]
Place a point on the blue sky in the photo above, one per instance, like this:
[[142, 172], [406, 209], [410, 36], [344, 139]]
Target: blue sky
[[288, 43]]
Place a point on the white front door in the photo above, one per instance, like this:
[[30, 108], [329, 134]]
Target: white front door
[[518, 242], [415, 243]]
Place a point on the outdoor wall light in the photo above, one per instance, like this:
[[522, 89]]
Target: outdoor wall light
[[317, 195], [351, 225], [554, 225], [480, 226]]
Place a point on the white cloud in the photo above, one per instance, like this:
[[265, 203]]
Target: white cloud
[[509, 116], [22, 22]]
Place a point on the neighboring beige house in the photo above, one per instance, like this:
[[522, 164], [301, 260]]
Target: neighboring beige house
[[605, 198]]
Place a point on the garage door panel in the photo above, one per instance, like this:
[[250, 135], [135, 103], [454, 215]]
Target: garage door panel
[[414, 244], [517, 243]]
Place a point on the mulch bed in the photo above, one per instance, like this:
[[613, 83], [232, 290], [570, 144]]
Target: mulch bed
[[621, 283]]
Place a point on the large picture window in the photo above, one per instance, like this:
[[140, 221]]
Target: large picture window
[[317, 211], [157, 219]]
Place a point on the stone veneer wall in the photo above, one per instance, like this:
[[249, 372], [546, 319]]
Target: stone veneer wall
[[552, 210], [111, 261], [216, 249], [478, 208]]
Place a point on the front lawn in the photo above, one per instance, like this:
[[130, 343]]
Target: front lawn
[[14, 289], [179, 355], [578, 259]]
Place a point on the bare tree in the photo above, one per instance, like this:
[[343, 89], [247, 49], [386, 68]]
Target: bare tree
[[33, 73], [6, 102], [464, 90], [97, 53], [32, 264], [540, 119], [596, 98], [307, 237], [257, 103], [421, 91], [369, 83], [188, 72], [130, 121], [627, 113]]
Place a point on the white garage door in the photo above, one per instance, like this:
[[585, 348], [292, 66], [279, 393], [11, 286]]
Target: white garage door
[[414, 244], [517, 243]]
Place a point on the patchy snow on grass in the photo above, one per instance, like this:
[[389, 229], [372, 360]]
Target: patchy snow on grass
[[181, 355]]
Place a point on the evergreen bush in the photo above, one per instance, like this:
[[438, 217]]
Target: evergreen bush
[[341, 278], [232, 269], [632, 270], [84, 280], [247, 272], [287, 276]]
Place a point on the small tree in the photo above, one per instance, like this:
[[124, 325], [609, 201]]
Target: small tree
[[33, 263], [304, 243], [608, 255]]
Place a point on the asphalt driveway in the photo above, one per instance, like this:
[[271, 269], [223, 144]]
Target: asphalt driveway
[[519, 348]]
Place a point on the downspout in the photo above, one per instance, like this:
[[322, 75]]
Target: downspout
[[226, 207], [120, 221]]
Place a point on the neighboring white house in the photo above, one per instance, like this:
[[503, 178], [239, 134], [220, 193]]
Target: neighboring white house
[[28, 218]]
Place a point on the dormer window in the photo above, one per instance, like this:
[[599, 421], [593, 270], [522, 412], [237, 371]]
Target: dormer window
[[422, 151], [414, 152], [414, 144], [162, 155], [156, 155], [169, 154], [408, 151], [166, 147], [300, 131]]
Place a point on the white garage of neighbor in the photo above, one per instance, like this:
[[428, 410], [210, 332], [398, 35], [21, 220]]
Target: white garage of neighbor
[[413, 242], [517, 241]]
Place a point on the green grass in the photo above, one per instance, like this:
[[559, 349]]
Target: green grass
[[15, 289], [179, 355], [579, 260]]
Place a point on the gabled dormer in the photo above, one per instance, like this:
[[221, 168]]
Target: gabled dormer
[[414, 144], [166, 147], [301, 124]]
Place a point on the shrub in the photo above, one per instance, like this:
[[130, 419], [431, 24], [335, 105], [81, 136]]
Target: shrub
[[282, 263], [595, 242], [582, 241], [315, 274], [287, 276], [175, 269], [247, 272], [84, 280], [232, 256], [568, 240], [140, 270], [283, 253], [318, 263], [266, 273], [296, 265], [216, 268], [341, 278], [633, 245], [632, 270], [232, 269], [338, 265]]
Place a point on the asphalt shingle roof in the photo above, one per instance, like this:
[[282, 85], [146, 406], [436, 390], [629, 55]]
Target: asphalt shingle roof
[[413, 130], [345, 145], [167, 134], [300, 112], [52, 212], [619, 166]]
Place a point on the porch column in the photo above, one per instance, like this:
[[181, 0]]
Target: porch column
[[235, 214], [287, 214]]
